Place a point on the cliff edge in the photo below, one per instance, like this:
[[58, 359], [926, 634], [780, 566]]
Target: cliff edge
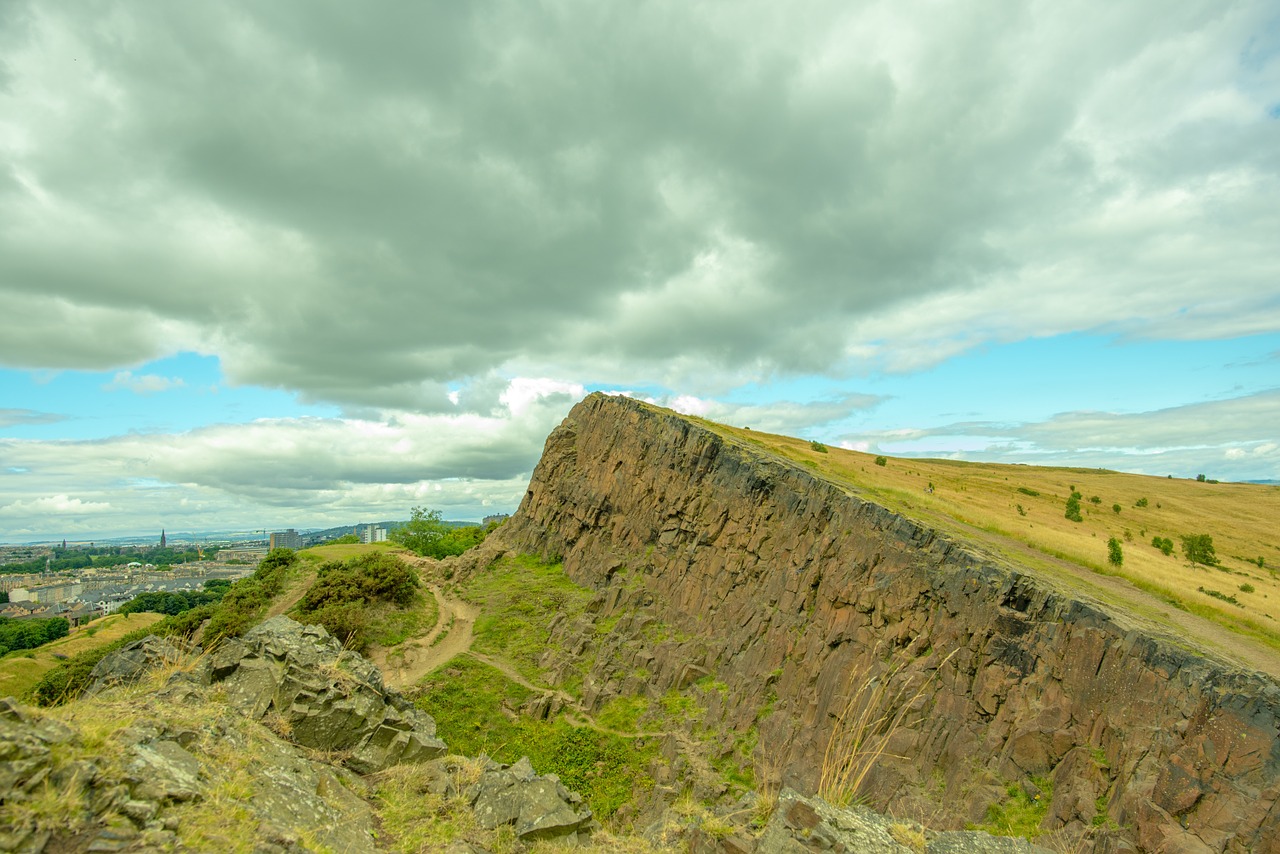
[[795, 595]]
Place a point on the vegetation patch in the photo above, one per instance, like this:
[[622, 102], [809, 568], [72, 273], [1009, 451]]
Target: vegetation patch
[[519, 597], [1021, 812], [365, 598], [474, 708]]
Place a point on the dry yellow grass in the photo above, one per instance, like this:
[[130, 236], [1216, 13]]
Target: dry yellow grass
[[980, 501], [19, 673]]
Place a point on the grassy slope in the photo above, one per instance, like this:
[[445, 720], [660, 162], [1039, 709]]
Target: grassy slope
[[979, 502], [20, 671]]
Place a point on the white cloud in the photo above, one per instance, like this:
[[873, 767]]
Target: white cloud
[[1177, 440], [142, 383]]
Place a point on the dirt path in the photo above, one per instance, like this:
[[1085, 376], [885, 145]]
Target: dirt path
[[298, 588], [405, 664]]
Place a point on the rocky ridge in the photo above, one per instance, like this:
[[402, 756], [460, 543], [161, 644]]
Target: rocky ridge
[[792, 594], [266, 743]]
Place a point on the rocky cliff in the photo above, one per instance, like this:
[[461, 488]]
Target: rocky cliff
[[795, 596]]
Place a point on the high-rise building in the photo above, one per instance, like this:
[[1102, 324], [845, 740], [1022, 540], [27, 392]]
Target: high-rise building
[[371, 534], [289, 539]]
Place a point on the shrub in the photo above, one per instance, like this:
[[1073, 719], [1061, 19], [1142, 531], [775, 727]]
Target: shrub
[[1094, 499], [818, 446], [1200, 478], [342, 591], [1164, 544], [1198, 548], [1246, 588], [1021, 511], [881, 461], [1033, 493], [1217, 594], [1073, 508], [1141, 502], [1115, 508], [1115, 555]]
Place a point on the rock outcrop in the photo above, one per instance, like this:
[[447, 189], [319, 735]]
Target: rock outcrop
[[793, 593], [802, 825]]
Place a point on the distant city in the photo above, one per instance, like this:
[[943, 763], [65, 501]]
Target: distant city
[[80, 581]]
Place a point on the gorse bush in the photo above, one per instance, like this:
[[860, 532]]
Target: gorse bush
[[341, 596], [1141, 502], [247, 600], [1164, 544], [881, 461], [818, 446]]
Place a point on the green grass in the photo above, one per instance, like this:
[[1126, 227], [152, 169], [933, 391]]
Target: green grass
[[471, 704], [1019, 814], [519, 596]]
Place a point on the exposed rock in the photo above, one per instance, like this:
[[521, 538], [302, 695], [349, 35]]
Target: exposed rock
[[759, 567], [127, 664], [137, 805], [801, 825], [537, 807], [322, 696]]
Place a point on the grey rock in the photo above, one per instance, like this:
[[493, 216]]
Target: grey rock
[[163, 771], [323, 696], [800, 824], [537, 807], [128, 664]]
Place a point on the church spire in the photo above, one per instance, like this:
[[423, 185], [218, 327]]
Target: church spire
[[162, 538]]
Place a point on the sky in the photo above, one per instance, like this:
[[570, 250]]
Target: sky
[[300, 264]]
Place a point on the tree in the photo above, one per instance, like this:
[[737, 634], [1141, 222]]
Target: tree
[[1115, 555], [422, 532], [1198, 548], [1073, 507]]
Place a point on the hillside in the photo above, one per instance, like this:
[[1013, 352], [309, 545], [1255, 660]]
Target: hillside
[[1017, 512], [791, 582]]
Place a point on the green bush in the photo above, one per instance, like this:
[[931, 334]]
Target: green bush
[[343, 591], [427, 535], [818, 446], [1198, 549], [1094, 499], [881, 461], [1115, 555], [1033, 493], [1073, 507], [1115, 508], [1246, 588], [30, 633], [1164, 544], [1141, 502]]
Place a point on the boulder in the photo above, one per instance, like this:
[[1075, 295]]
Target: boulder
[[800, 825], [302, 682], [129, 663], [538, 807]]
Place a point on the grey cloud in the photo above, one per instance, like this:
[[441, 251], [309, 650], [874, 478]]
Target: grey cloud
[[366, 205]]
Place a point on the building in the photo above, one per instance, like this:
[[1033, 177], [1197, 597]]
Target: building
[[371, 534], [246, 555], [289, 539]]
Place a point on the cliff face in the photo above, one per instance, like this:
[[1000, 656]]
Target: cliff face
[[793, 594]]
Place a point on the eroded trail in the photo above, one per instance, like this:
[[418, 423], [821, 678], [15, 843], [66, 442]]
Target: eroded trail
[[452, 635]]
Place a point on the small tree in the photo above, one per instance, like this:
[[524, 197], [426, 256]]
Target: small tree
[[881, 461], [1198, 548], [1073, 508], [1115, 555], [1115, 508]]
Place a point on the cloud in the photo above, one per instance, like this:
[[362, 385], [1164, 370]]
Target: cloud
[[299, 472], [55, 504], [691, 194], [143, 383], [1238, 432], [24, 417]]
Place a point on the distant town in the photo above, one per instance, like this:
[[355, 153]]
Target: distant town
[[80, 581]]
